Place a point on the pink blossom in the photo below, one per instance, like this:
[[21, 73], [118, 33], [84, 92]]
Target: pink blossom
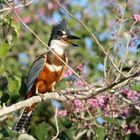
[[78, 103], [68, 73], [136, 17], [92, 102], [50, 5], [130, 129], [80, 84], [18, 10], [133, 129], [130, 94], [27, 19], [101, 101], [126, 112], [127, 129], [125, 91], [80, 67], [77, 110], [62, 113]]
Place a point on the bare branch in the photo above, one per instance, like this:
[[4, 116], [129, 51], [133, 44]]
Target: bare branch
[[68, 94], [61, 96]]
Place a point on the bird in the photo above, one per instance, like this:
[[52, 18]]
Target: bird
[[46, 71]]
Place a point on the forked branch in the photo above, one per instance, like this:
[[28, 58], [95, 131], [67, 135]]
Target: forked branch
[[68, 94]]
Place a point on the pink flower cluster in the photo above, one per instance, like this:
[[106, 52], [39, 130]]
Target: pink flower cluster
[[78, 104], [76, 107], [62, 113], [92, 102], [130, 129], [79, 84], [80, 68], [126, 112], [99, 102], [130, 94], [136, 17], [68, 73], [27, 19]]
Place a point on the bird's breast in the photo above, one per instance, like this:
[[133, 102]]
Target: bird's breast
[[53, 68], [49, 76], [50, 73]]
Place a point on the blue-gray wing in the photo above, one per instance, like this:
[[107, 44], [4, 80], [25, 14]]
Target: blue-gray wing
[[34, 72]]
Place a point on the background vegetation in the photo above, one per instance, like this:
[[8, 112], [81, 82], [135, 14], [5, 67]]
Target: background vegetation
[[115, 23]]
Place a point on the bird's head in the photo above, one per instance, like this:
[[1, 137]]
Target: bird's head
[[61, 35]]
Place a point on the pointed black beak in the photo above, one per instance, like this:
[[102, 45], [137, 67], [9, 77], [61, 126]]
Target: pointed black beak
[[72, 37]]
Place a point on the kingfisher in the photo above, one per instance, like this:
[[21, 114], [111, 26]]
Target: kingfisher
[[46, 71]]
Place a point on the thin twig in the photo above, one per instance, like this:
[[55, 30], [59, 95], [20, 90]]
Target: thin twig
[[124, 57], [17, 6], [122, 11], [92, 35], [105, 66], [80, 134], [127, 45], [56, 122]]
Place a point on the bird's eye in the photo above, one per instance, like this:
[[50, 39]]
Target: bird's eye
[[60, 33]]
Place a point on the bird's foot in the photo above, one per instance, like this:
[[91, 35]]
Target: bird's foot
[[40, 94]]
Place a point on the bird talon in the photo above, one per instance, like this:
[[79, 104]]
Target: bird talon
[[41, 96]]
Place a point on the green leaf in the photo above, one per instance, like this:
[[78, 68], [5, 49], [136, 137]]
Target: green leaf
[[1, 94], [100, 133], [136, 87], [111, 120], [14, 85], [1, 69], [2, 1], [16, 28], [41, 131], [127, 137], [4, 49]]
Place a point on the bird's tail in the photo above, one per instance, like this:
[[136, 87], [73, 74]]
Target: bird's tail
[[24, 120]]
